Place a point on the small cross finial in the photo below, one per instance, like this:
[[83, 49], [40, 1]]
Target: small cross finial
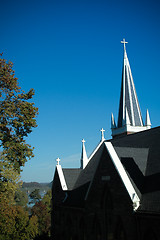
[[124, 42], [58, 160], [83, 141], [102, 134]]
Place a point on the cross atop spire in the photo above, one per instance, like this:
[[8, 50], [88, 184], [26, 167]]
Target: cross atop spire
[[124, 42], [128, 97], [102, 134], [129, 117], [58, 160]]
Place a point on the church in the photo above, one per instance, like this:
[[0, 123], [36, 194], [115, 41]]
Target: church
[[115, 194]]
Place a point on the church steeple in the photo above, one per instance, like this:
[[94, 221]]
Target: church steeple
[[84, 158], [148, 121], [129, 117]]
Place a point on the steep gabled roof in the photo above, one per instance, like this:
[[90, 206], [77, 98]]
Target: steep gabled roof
[[76, 197], [140, 156], [88, 173], [136, 158], [123, 175], [71, 175], [76, 177]]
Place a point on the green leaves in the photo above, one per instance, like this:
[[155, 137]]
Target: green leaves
[[17, 117], [15, 223], [21, 198], [44, 218], [35, 196], [9, 180]]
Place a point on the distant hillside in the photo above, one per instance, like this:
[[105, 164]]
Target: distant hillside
[[50, 184], [36, 185]]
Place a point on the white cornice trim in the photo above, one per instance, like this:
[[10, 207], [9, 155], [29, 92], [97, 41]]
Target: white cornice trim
[[61, 177], [129, 129], [123, 175]]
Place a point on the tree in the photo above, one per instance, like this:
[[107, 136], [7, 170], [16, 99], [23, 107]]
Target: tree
[[21, 198], [9, 180], [15, 223], [25, 228], [17, 117], [47, 200], [42, 210], [35, 196], [32, 227], [44, 218], [7, 219]]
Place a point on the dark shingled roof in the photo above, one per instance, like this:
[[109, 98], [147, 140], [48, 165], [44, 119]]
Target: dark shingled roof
[[76, 197], [88, 173], [140, 156], [71, 175]]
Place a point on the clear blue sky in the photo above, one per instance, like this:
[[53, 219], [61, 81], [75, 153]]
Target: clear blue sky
[[70, 53]]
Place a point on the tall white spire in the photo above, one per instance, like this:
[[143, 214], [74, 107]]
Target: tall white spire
[[113, 124], [129, 117], [128, 98], [148, 121], [84, 158]]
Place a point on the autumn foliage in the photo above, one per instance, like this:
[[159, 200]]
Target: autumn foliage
[[15, 222], [17, 117], [44, 218]]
